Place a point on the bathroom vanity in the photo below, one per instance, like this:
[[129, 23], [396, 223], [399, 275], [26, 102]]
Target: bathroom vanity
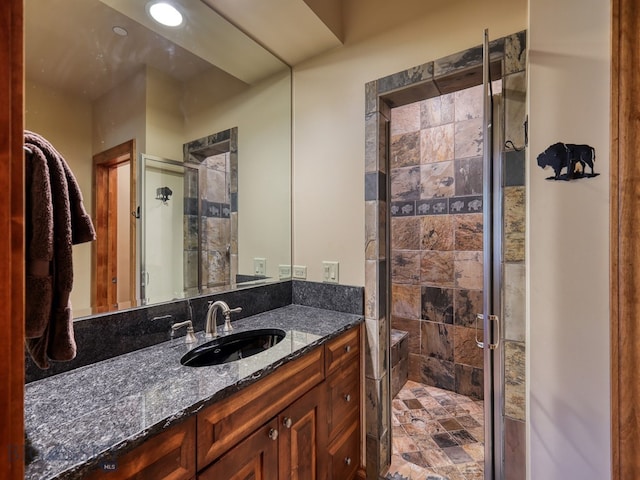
[[292, 411]]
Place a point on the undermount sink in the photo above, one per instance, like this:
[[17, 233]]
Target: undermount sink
[[232, 347]]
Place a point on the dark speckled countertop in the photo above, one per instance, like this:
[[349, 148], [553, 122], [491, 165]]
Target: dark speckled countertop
[[92, 414]]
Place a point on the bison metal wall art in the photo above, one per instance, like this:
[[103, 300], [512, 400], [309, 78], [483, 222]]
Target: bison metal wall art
[[573, 159]]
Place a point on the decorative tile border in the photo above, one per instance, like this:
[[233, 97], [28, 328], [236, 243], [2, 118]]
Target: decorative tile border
[[437, 206]]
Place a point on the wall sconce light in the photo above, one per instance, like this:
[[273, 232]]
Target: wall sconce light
[[163, 194]]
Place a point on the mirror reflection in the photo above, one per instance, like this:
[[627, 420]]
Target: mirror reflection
[[179, 138]]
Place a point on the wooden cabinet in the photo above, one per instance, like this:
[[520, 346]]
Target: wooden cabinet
[[286, 448], [302, 422], [225, 423], [343, 405]]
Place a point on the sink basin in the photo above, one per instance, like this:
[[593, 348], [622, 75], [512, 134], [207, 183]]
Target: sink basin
[[232, 347]]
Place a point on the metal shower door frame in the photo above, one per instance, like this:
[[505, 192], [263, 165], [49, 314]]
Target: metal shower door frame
[[493, 127]]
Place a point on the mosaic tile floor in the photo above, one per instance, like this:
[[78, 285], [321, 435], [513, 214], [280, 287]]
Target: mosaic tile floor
[[437, 435]]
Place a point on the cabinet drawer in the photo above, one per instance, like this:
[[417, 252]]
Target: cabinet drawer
[[168, 455], [225, 423], [344, 455], [343, 350], [344, 398]]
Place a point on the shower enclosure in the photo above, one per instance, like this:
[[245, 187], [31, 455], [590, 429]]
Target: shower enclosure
[[445, 263], [161, 216], [188, 217]]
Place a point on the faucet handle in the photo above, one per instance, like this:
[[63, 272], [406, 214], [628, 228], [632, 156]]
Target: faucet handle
[[227, 318], [190, 337]]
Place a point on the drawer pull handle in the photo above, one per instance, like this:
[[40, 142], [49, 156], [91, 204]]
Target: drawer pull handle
[[347, 460], [273, 434], [287, 422], [347, 348], [347, 397]]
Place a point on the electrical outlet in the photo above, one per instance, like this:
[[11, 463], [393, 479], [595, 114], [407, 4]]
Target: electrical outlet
[[300, 272], [284, 271], [260, 266], [330, 272]]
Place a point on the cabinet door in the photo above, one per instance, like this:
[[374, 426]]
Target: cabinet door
[[255, 458], [169, 455], [303, 439]]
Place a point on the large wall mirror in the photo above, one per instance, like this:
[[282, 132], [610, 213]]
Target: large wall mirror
[[180, 139]]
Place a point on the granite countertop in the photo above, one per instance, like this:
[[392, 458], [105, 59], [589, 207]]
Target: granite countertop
[[76, 420]]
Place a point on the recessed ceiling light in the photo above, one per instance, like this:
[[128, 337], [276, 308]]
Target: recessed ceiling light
[[165, 14], [120, 31]]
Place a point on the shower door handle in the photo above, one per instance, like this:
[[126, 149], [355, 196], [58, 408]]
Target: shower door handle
[[492, 318]]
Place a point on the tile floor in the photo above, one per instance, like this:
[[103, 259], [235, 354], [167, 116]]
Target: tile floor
[[437, 435]]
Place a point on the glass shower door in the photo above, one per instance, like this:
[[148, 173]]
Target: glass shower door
[[162, 229], [491, 316]]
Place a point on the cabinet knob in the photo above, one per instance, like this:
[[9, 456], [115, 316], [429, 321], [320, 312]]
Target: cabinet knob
[[273, 434], [287, 422], [347, 348], [347, 397], [347, 460]]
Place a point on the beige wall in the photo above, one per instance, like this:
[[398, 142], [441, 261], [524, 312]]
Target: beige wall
[[164, 116], [261, 114], [120, 115], [328, 184], [568, 245], [45, 111]]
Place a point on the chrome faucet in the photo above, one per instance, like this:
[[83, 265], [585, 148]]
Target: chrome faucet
[[211, 325]]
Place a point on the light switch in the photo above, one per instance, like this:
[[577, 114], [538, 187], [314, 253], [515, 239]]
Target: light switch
[[260, 266], [284, 271], [330, 272], [300, 272]]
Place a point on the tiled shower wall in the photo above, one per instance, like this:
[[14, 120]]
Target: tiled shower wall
[[436, 237], [211, 214], [213, 221], [216, 220]]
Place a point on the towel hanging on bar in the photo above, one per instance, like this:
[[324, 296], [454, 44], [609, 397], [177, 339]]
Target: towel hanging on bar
[[55, 219]]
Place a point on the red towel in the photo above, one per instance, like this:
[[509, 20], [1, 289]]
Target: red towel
[[55, 220]]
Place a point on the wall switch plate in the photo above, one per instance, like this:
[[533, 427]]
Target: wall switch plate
[[260, 266], [300, 272], [330, 272], [284, 271]]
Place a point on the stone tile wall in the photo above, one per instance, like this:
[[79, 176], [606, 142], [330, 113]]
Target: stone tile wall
[[211, 212], [514, 271], [436, 237]]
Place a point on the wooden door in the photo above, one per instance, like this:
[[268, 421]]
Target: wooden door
[[255, 458], [303, 437], [106, 201]]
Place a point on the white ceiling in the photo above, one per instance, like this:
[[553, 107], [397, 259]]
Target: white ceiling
[[70, 45]]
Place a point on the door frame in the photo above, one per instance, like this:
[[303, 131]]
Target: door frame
[[12, 250], [105, 166], [624, 286]]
